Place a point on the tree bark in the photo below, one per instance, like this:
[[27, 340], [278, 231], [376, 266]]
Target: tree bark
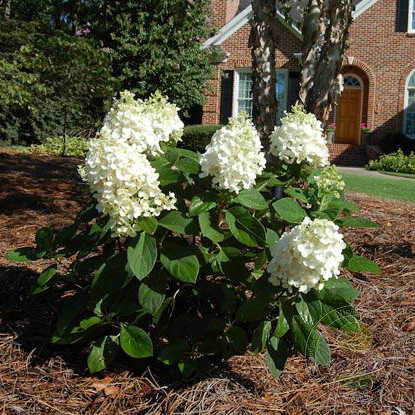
[[262, 43], [325, 33]]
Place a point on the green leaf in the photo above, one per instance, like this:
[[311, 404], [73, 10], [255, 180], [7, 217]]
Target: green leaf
[[152, 293], [245, 228], [282, 325], [136, 342], [142, 257], [342, 205], [102, 354], [199, 206], [237, 339], [356, 222], [176, 221], [89, 322], [181, 263], [174, 352], [208, 230], [252, 310], [276, 356], [111, 277], [148, 225], [337, 292], [251, 199], [46, 276], [167, 175], [72, 307], [261, 336], [25, 254], [339, 317], [309, 342], [187, 165], [272, 238], [44, 239], [289, 210], [296, 193], [362, 264]]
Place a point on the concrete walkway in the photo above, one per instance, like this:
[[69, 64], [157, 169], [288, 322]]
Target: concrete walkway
[[360, 171]]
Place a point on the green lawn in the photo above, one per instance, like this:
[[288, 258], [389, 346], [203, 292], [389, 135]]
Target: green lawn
[[381, 187]]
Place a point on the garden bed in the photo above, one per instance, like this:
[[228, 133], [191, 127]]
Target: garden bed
[[370, 374]]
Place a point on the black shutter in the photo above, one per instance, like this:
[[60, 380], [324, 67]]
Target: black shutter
[[293, 89], [226, 96], [402, 15]]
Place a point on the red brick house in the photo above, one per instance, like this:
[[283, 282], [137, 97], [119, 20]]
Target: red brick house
[[379, 70]]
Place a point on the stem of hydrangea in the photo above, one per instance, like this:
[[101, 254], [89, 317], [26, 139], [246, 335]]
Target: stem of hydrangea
[[220, 212]]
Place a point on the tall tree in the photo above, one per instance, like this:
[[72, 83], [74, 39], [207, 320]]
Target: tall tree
[[263, 43], [325, 40], [154, 45]]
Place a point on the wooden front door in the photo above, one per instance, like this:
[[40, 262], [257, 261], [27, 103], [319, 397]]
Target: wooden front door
[[348, 116]]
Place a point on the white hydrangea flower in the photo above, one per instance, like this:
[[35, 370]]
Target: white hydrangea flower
[[143, 123], [306, 256], [124, 183], [330, 182], [234, 158], [300, 139]]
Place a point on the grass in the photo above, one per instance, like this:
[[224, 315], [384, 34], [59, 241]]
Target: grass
[[384, 188], [406, 175]]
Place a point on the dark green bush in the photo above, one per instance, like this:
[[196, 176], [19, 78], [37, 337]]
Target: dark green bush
[[197, 137]]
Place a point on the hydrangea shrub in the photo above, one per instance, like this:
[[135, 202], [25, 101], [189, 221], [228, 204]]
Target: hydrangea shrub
[[189, 258]]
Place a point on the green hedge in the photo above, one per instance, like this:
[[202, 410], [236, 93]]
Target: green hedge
[[396, 162], [197, 137]]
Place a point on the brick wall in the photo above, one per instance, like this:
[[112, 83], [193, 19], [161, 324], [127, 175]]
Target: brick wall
[[382, 56]]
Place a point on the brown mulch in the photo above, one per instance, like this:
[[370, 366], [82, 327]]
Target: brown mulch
[[372, 372]]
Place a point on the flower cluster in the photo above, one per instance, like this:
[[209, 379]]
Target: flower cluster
[[143, 123], [234, 158], [124, 183], [300, 139], [330, 182], [306, 256], [117, 170]]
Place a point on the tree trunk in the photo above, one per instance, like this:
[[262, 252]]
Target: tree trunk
[[325, 33], [262, 43]]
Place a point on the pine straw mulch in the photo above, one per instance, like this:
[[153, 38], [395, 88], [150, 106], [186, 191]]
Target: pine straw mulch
[[371, 373]]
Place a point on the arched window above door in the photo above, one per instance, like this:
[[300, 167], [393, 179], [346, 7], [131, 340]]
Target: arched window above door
[[409, 118], [351, 81]]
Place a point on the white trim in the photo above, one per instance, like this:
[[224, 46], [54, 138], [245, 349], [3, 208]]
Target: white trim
[[242, 18], [235, 99], [405, 112], [230, 28], [362, 7], [411, 11]]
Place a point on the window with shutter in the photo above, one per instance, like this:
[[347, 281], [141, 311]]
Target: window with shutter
[[409, 118], [411, 16], [243, 92]]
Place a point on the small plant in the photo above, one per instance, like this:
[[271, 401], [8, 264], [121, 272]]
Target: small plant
[[190, 258], [365, 128], [396, 162], [74, 146]]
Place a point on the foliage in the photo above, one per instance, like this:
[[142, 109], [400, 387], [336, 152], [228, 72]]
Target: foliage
[[191, 285], [74, 146], [396, 162], [50, 82], [154, 45], [197, 137]]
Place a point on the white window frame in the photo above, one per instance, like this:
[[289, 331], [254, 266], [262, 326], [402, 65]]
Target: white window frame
[[235, 103], [411, 11], [412, 137]]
